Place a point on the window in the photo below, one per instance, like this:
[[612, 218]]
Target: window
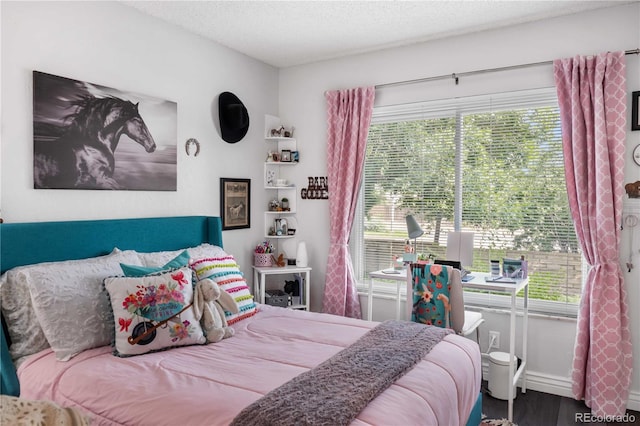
[[492, 165]]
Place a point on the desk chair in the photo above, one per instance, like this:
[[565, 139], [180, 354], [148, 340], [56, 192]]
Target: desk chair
[[435, 297]]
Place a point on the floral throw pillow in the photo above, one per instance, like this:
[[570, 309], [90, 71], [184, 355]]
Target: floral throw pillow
[[153, 312], [225, 272]]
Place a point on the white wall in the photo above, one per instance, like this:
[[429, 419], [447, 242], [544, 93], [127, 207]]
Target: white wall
[[113, 45], [116, 46], [302, 103]]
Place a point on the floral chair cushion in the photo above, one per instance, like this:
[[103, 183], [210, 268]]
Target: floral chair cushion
[[431, 295]]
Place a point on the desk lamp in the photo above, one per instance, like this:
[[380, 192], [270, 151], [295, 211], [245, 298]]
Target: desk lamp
[[414, 231]]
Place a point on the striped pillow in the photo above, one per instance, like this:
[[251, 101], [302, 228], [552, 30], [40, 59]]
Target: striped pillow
[[225, 272]]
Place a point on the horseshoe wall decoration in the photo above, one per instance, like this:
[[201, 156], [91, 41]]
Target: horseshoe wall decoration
[[187, 146]]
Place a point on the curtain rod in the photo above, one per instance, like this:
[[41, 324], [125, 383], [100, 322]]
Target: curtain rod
[[456, 76]]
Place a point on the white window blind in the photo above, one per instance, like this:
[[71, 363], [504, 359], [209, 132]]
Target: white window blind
[[502, 155]]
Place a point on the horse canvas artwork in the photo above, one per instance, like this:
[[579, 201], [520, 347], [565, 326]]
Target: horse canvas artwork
[[93, 137]]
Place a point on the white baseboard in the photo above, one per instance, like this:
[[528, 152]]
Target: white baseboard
[[558, 385]]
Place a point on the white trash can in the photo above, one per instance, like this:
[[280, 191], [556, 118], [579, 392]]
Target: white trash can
[[499, 375]]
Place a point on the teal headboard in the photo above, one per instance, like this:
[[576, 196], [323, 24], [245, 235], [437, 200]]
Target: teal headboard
[[35, 242]]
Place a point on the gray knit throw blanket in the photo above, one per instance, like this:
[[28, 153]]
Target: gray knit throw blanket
[[334, 392]]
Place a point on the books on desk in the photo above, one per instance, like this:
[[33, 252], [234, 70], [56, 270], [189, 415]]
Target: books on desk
[[513, 270], [500, 279]]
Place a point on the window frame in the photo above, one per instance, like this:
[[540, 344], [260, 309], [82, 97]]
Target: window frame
[[446, 108]]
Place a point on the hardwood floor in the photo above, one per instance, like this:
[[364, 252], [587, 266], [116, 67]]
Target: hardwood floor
[[542, 409]]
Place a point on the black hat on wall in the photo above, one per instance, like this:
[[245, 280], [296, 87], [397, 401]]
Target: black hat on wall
[[234, 118]]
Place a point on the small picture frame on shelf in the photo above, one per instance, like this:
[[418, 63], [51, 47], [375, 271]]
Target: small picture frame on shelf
[[285, 156]]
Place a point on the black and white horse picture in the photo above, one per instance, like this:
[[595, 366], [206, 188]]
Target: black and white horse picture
[[75, 147]]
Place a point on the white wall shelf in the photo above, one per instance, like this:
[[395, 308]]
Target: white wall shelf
[[277, 180]]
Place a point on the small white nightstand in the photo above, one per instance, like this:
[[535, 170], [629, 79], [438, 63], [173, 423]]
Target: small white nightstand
[[259, 277]]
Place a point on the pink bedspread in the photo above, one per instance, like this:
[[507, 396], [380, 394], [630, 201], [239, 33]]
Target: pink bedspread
[[209, 385]]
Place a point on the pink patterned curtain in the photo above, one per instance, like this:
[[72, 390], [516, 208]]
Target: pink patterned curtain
[[592, 97], [349, 115]]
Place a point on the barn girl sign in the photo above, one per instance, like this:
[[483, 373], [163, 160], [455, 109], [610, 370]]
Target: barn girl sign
[[317, 189]]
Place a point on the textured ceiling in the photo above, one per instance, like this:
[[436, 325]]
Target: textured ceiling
[[287, 33]]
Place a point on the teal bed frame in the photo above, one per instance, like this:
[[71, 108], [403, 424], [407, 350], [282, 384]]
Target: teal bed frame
[[35, 242]]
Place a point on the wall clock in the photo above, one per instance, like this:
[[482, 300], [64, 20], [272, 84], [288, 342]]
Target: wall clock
[[636, 154]]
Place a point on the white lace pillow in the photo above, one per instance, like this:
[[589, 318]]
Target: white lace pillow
[[25, 332], [70, 303], [153, 312], [20, 411], [160, 258]]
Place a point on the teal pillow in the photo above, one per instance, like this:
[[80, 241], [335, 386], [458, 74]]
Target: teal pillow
[[140, 271]]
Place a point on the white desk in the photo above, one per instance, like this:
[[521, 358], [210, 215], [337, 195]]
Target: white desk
[[399, 277], [478, 282], [259, 281]]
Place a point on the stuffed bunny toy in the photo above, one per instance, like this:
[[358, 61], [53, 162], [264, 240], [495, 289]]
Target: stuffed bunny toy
[[209, 302]]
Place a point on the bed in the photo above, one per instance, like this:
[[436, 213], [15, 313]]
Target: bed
[[198, 383]]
